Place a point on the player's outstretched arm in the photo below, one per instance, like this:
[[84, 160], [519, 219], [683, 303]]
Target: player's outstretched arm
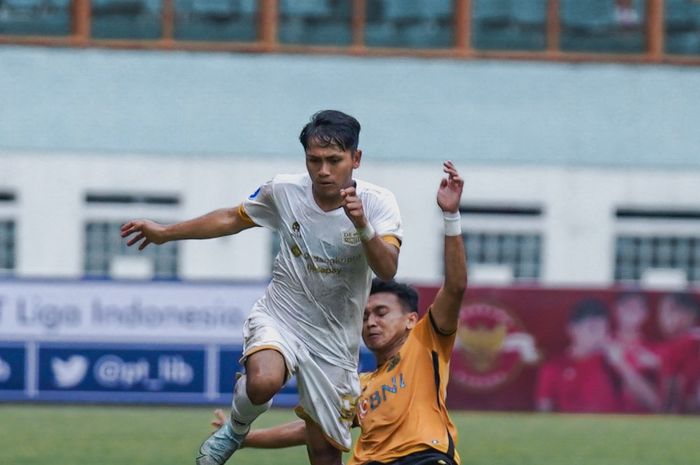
[[644, 391], [445, 310], [277, 437], [222, 222], [382, 257]]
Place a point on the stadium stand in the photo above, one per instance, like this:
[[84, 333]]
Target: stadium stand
[[644, 31]]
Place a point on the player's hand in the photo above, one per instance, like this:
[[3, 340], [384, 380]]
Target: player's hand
[[353, 207], [614, 353], [450, 190], [219, 418], [146, 232]]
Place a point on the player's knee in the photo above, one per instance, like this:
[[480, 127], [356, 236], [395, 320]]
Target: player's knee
[[262, 388]]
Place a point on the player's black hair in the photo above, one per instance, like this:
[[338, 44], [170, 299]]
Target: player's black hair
[[686, 302], [588, 308], [331, 127], [406, 294]]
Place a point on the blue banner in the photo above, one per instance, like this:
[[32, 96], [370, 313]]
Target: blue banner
[[121, 369], [12, 371]]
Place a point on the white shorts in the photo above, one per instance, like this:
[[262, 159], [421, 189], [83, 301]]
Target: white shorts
[[327, 393]]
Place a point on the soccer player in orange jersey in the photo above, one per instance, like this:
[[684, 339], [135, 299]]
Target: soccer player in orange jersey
[[401, 410]]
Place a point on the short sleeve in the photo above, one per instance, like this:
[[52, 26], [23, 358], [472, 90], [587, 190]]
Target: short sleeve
[[383, 214], [260, 206], [429, 337]]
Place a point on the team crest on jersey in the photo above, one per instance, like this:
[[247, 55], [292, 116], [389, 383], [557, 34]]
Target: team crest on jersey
[[351, 237], [492, 347], [296, 229]]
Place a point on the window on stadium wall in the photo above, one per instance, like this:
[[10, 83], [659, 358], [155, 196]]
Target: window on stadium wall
[[637, 255], [504, 241], [7, 246], [107, 255], [650, 242], [518, 253]]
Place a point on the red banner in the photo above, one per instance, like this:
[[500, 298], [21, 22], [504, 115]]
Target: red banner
[[527, 348]]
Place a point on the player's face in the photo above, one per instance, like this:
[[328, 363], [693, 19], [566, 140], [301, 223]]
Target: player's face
[[385, 322], [590, 334], [330, 169], [673, 320], [630, 313]]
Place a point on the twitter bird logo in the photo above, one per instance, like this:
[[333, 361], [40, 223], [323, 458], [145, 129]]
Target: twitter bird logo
[[69, 373]]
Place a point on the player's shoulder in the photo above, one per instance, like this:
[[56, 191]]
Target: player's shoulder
[[369, 190], [291, 180]]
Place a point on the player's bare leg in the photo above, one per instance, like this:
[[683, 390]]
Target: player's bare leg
[[321, 452], [265, 375], [252, 395]]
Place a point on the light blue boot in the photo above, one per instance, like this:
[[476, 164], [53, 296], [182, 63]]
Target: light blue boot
[[217, 449]]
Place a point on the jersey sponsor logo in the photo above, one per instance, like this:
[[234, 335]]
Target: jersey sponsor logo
[[351, 237], [254, 194], [492, 346], [372, 401], [296, 251], [348, 407]]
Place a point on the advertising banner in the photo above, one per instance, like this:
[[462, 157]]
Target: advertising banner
[[12, 363], [528, 348], [122, 310]]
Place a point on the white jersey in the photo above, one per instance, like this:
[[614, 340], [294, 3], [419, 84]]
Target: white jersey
[[320, 278]]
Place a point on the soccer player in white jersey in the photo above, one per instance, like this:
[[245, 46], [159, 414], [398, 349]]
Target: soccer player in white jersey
[[334, 232]]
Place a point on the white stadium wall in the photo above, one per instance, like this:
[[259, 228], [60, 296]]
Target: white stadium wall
[[577, 224], [574, 143]]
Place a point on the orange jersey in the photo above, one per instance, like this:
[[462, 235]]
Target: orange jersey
[[402, 406]]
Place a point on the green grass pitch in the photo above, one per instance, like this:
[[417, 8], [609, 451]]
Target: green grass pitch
[[126, 435]]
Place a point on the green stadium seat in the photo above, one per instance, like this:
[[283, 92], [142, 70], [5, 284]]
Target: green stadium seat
[[426, 35], [213, 8], [306, 8], [596, 26], [33, 17], [679, 15], [588, 15], [491, 12], [403, 10], [529, 12]]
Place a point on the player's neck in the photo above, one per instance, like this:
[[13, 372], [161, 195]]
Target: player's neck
[[327, 203], [391, 350], [631, 335]]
